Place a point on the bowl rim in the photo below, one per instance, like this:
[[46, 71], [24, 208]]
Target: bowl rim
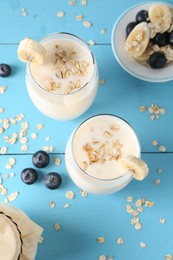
[[117, 56]]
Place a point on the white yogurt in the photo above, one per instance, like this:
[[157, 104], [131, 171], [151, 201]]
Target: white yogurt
[[66, 84], [93, 151]]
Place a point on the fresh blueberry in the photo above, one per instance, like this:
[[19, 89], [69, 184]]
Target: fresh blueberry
[[157, 60], [40, 159], [52, 180], [142, 16], [29, 175], [170, 38], [130, 27], [161, 39], [5, 70]]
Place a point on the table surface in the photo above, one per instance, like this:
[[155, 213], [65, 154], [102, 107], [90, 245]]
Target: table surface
[[95, 215]]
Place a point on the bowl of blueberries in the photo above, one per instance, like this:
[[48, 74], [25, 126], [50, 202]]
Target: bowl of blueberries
[[142, 41]]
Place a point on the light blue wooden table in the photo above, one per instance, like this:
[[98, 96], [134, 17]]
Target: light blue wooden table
[[122, 94]]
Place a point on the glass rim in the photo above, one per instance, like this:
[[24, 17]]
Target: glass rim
[[92, 57], [104, 114]]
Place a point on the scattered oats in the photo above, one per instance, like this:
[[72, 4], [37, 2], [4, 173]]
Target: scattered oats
[[103, 31], [129, 209], [12, 174], [102, 257], [162, 220], [110, 258], [84, 2], [52, 204], [47, 138], [3, 150], [39, 126], [1, 130], [134, 220], [152, 117], [84, 194], [135, 213], [72, 2], [4, 191], [24, 12], [23, 140], [120, 241], [159, 170], [3, 89], [129, 199], [57, 227], [138, 203], [6, 176], [12, 161], [143, 245], [157, 182], [67, 205], [19, 117], [12, 121], [70, 195], [168, 257], [102, 82], [1, 110], [51, 148], [87, 24], [34, 136], [60, 14], [22, 133], [48, 148], [79, 17], [25, 125], [57, 161], [140, 209], [149, 204], [13, 196], [24, 147], [91, 42], [154, 142], [8, 166], [138, 226], [100, 240], [162, 148]]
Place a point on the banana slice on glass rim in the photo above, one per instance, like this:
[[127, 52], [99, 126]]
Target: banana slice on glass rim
[[160, 16], [32, 50], [136, 166], [137, 41]]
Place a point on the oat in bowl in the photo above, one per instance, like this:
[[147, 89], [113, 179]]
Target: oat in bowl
[[148, 41], [103, 155]]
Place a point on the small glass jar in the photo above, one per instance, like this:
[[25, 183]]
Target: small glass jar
[[64, 106], [110, 180]]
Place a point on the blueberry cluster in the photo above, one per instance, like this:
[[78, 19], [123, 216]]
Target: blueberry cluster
[[157, 59], [41, 159]]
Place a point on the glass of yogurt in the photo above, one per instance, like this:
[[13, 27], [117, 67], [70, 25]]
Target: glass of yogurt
[[65, 85], [93, 152]]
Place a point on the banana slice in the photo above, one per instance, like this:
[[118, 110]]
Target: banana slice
[[137, 41], [137, 166], [31, 50], [160, 16]]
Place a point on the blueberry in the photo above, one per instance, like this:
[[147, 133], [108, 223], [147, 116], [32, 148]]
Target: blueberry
[[130, 27], [40, 159], [157, 60], [142, 16], [29, 176], [161, 39], [5, 70], [52, 180], [170, 38]]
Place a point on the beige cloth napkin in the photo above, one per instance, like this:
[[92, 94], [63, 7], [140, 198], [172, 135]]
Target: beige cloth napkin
[[19, 235]]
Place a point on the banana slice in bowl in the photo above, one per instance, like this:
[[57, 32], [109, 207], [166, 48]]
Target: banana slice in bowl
[[137, 41], [160, 16], [32, 50], [136, 166]]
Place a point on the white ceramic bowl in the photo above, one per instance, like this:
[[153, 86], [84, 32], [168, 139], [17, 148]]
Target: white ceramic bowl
[[128, 63]]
